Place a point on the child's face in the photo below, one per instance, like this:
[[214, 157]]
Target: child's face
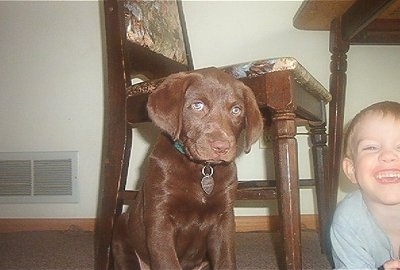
[[375, 162]]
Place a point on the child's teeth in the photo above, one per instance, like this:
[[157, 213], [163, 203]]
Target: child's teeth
[[388, 175]]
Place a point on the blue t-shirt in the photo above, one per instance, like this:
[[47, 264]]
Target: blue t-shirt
[[357, 240]]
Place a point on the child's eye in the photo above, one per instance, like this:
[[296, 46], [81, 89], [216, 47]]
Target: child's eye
[[370, 148]]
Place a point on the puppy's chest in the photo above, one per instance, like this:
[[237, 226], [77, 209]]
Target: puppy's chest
[[192, 206], [204, 184], [195, 223]]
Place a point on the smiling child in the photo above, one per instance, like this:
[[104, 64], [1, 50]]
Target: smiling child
[[365, 232]]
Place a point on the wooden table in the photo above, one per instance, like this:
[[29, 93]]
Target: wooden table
[[349, 22]]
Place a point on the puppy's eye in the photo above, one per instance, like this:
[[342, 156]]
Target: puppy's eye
[[236, 110], [197, 106]]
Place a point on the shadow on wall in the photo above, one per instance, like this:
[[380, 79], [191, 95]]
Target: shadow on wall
[[344, 183]]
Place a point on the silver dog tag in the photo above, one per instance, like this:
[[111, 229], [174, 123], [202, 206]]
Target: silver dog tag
[[207, 184]]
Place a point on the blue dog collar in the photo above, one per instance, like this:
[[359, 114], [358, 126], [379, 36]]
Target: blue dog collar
[[179, 146]]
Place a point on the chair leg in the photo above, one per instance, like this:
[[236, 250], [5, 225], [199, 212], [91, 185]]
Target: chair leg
[[113, 172], [115, 137], [125, 168], [286, 169], [320, 160]]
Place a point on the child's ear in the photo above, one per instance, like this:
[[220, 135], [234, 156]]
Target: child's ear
[[349, 170]]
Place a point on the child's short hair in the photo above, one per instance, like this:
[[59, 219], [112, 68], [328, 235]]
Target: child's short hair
[[384, 108]]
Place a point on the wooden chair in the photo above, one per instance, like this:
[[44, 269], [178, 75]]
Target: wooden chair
[[287, 95]]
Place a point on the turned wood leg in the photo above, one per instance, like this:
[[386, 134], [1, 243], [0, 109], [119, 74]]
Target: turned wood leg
[[337, 87], [286, 170], [320, 161]]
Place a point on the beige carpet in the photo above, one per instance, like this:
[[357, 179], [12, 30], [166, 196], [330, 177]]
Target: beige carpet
[[73, 249]]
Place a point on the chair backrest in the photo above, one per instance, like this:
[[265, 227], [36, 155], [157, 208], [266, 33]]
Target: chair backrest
[[154, 45], [154, 38]]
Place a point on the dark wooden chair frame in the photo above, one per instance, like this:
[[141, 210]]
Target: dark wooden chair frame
[[285, 98]]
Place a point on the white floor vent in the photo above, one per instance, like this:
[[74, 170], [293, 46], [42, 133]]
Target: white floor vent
[[39, 177]]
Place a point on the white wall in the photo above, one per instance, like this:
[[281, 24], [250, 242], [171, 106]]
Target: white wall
[[51, 81], [51, 92]]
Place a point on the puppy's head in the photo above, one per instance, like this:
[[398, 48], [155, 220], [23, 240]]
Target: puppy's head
[[206, 111]]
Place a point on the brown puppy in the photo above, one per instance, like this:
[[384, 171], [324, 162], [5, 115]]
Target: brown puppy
[[183, 215]]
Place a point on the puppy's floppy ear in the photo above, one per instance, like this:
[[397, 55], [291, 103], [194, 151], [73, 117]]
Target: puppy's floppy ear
[[253, 120], [166, 102]]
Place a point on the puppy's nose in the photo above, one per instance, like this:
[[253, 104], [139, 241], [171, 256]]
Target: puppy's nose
[[220, 147]]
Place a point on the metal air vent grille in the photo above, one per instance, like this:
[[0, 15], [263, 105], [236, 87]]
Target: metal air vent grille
[[43, 177]]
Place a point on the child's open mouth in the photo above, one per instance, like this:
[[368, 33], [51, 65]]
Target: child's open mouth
[[388, 177]]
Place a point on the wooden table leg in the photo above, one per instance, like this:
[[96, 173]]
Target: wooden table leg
[[337, 87], [286, 169]]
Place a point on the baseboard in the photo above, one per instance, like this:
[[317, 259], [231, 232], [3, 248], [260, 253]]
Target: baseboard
[[243, 224], [271, 223], [20, 225]]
